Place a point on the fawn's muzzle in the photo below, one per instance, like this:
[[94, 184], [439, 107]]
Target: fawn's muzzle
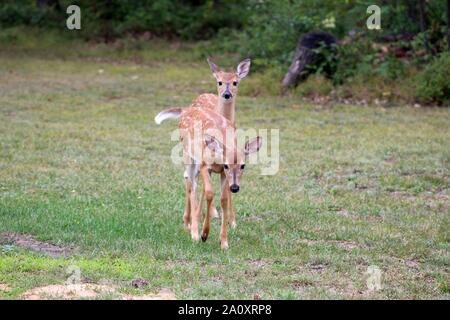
[[227, 95], [234, 188]]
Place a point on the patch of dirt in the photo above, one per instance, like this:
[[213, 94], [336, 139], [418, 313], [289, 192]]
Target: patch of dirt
[[4, 287], [343, 213], [403, 195], [258, 263], [139, 283], [71, 291], [430, 196], [347, 291], [29, 242], [257, 296], [301, 284], [163, 294], [317, 267], [414, 264], [89, 291], [346, 244], [443, 196]]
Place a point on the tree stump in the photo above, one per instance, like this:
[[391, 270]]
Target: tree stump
[[306, 56]]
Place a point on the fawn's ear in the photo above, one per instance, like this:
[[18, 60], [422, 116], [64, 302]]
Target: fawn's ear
[[253, 146], [243, 68], [213, 144], [213, 66]]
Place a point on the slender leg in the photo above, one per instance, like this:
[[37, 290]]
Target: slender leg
[[206, 178], [196, 209], [192, 173], [187, 206], [231, 209], [214, 212], [196, 216], [223, 182], [224, 203]]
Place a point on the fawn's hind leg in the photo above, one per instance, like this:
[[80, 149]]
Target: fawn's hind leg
[[187, 205], [192, 171]]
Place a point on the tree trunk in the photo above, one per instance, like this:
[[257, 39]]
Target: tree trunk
[[423, 24], [305, 56], [411, 10], [448, 24]]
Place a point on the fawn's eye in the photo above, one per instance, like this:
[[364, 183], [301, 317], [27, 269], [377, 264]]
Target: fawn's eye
[[242, 166], [235, 83], [225, 166], [220, 83]]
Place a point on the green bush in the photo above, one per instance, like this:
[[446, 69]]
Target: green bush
[[189, 19], [266, 83], [433, 83], [315, 86], [25, 12]]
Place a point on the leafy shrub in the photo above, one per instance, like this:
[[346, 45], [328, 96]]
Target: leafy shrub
[[19, 13], [266, 83], [314, 86], [189, 19], [433, 83]]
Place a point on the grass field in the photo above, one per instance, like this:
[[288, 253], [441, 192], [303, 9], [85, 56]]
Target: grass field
[[83, 166]]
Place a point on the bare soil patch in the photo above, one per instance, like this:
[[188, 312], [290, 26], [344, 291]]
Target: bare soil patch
[[29, 242], [4, 287], [89, 291], [346, 244]]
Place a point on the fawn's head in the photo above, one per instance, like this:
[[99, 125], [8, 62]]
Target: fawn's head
[[228, 82], [234, 159]]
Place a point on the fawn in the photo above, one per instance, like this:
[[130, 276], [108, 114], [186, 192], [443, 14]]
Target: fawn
[[224, 104], [203, 129]]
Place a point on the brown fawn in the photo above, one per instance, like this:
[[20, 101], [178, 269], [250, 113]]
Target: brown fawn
[[203, 130], [224, 104]]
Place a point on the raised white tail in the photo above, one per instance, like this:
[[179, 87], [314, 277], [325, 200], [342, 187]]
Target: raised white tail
[[173, 113]]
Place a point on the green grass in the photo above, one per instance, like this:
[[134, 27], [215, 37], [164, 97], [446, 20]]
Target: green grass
[[82, 164]]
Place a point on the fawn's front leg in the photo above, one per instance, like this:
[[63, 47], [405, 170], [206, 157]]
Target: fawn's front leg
[[224, 184], [214, 212], [208, 190], [231, 210], [224, 201]]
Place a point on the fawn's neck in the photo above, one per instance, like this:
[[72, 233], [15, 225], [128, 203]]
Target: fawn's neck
[[226, 109]]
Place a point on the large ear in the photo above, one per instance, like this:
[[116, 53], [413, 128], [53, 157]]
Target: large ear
[[213, 144], [243, 68], [252, 146], [213, 66]]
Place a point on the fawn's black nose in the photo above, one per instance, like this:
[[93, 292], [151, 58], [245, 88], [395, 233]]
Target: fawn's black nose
[[234, 188], [227, 95]]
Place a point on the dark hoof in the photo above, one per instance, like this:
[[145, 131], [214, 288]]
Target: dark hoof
[[204, 237]]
